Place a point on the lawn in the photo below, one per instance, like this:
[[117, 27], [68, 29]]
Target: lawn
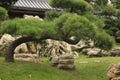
[[86, 69]]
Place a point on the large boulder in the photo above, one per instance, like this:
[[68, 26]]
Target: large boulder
[[114, 72], [27, 57], [57, 48], [94, 52], [65, 62], [54, 61], [33, 17], [115, 52], [6, 39], [21, 48]]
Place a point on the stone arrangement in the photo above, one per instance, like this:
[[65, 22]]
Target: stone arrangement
[[27, 57], [114, 72], [115, 52], [65, 62]]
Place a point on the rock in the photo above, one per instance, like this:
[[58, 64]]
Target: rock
[[6, 39], [27, 57], [54, 60], [31, 16], [58, 48], [114, 72], [65, 62], [97, 61], [66, 56], [110, 72], [21, 48], [66, 66], [28, 47], [116, 78], [114, 52], [31, 47], [83, 62], [94, 52], [75, 54]]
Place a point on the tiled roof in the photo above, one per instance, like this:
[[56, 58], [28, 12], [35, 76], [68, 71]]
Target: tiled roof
[[36, 4]]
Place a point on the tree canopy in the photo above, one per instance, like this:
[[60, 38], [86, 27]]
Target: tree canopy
[[77, 6], [62, 28], [7, 3]]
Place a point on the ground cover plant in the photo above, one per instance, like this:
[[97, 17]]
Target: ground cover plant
[[92, 70]]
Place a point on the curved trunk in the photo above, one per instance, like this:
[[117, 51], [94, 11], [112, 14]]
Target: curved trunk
[[9, 56]]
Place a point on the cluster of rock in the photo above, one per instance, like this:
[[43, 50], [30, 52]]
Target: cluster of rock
[[6, 39], [22, 52], [114, 52], [57, 48], [114, 72], [65, 62], [31, 16], [94, 52]]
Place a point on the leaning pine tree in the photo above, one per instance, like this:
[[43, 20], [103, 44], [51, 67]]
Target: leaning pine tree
[[67, 25]]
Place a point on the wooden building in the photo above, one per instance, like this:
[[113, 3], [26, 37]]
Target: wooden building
[[29, 7]]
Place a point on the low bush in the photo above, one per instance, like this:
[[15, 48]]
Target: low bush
[[118, 33], [3, 14]]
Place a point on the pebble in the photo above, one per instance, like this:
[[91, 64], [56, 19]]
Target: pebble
[[84, 62], [97, 61]]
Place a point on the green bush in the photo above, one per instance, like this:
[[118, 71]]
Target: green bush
[[3, 14], [50, 15], [110, 32], [118, 33], [103, 40], [114, 30]]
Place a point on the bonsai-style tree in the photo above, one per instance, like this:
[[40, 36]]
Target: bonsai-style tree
[[66, 25]]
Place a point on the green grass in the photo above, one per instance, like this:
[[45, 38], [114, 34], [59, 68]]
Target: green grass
[[92, 70]]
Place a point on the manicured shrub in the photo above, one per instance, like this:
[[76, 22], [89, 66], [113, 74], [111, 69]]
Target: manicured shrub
[[3, 14]]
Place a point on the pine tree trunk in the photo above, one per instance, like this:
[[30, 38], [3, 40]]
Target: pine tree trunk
[[9, 55]]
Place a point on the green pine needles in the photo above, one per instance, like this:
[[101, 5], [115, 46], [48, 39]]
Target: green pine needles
[[62, 28]]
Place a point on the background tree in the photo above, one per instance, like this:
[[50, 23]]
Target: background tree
[[76, 6], [3, 15], [110, 13], [7, 3], [116, 3]]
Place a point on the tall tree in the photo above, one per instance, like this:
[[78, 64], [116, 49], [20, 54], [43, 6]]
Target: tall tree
[[77, 6], [7, 3]]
